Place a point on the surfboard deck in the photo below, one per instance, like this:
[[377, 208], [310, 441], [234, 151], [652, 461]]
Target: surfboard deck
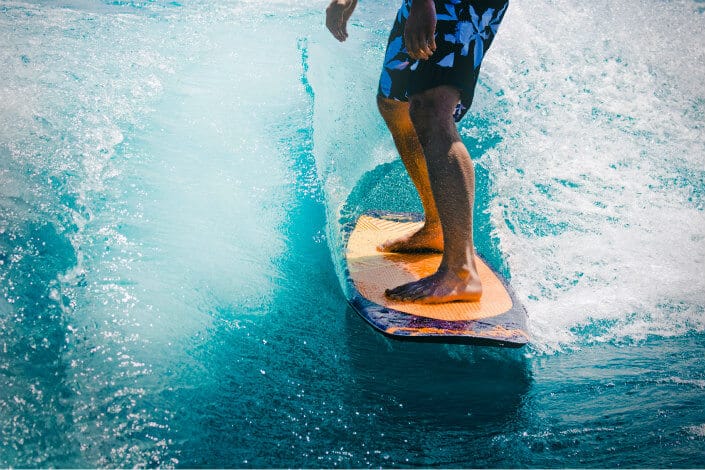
[[498, 319]]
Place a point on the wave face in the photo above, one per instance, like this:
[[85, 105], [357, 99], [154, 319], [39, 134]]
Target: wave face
[[173, 180], [146, 189]]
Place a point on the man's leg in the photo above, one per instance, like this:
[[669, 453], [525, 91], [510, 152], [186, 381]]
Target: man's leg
[[452, 181], [429, 237]]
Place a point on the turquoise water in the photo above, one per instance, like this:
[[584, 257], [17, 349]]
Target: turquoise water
[[173, 179]]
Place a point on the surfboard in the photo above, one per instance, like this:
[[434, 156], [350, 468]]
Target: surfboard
[[498, 319]]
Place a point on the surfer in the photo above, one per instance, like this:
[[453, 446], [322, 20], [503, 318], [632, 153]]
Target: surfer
[[427, 84]]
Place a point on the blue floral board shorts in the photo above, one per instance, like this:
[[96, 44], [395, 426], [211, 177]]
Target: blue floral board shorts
[[464, 32]]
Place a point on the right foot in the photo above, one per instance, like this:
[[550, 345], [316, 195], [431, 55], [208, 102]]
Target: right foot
[[426, 239], [443, 286]]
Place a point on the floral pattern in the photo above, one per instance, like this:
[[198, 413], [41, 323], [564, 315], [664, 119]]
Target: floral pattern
[[464, 32]]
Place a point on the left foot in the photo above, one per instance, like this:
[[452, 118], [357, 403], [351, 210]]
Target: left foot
[[428, 238], [443, 286]]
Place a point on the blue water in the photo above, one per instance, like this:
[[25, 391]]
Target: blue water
[[174, 176]]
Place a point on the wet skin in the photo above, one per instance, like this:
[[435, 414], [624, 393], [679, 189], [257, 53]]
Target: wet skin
[[451, 177], [429, 237], [438, 163]]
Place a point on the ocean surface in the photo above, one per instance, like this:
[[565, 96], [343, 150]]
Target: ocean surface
[[173, 179]]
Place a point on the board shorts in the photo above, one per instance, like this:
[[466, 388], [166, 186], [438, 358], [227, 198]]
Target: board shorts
[[464, 32]]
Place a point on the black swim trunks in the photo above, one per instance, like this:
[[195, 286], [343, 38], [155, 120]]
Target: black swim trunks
[[464, 31]]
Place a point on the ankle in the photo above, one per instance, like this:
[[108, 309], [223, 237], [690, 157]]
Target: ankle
[[466, 272]]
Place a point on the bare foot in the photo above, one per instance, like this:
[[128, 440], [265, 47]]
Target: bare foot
[[427, 238], [443, 286]]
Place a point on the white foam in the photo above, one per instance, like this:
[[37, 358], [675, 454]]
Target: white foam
[[146, 135], [601, 222], [697, 383], [598, 176], [697, 430]]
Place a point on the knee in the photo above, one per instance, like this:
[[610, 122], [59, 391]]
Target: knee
[[389, 108], [425, 113], [420, 110], [433, 107]]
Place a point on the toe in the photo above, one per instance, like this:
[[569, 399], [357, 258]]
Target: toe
[[401, 292], [394, 293]]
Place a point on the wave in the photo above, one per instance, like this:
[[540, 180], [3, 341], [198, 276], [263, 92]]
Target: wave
[[590, 139]]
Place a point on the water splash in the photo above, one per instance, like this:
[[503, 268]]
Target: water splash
[[155, 142], [592, 140]]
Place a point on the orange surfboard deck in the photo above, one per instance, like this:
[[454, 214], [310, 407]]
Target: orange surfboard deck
[[496, 319]]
